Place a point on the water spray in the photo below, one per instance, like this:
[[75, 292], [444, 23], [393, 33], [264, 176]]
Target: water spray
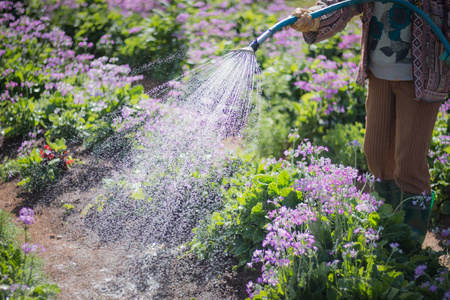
[[253, 47]]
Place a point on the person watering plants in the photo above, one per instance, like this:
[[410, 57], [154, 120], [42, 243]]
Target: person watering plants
[[406, 86]]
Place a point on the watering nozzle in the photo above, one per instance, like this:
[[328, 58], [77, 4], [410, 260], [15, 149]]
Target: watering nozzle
[[250, 48], [254, 45]]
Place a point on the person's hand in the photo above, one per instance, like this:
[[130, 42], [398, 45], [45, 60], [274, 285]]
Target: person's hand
[[304, 23]]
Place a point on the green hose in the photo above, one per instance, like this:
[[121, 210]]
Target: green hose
[[326, 10]]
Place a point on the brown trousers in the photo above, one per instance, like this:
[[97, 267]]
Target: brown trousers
[[398, 134]]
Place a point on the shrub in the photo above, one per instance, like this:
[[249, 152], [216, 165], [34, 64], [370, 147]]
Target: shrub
[[44, 167]]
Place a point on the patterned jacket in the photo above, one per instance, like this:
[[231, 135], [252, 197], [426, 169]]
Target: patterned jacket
[[431, 76]]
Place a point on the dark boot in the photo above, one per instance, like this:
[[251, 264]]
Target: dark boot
[[417, 210], [390, 192]]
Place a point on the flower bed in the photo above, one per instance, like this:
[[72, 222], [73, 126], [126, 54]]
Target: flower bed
[[315, 235]]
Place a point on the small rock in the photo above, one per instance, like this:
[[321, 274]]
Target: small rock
[[52, 236]]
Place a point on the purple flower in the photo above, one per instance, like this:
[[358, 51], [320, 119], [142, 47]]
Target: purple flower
[[394, 245], [134, 30], [26, 216], [182, 18], [433, 288], [27, 248], [249, 289], [333, 263], [354, 144], [419, 271], [17, 286], [445, 232], [440, 279]]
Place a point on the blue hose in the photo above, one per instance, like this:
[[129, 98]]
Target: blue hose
[[326, 10]]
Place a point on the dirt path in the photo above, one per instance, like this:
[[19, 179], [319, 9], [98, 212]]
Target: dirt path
[[74, 260], [85, 268]]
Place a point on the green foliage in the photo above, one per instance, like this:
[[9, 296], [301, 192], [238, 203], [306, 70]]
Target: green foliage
[[35, 176], [21, 278], [19, 118], [8, 232], [62, 118], [9, 169], [135, 39], [273, 129], [241, 222], [340, 152]]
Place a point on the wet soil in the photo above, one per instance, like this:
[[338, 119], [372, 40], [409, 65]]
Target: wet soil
[[8, 148]]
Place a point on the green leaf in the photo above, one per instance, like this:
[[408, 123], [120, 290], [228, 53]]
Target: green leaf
[[286, 191], [398, 279], [241, 249], [24, 181], [385, 209], [373, 219], [273, 189], [391, 293], [395, 232], [284, 179], [257, 208], [418, 259], [445, 208], [289, 197], [259, 235], [409, 296], [264, 179]]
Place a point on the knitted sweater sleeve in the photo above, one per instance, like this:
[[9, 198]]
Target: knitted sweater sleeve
[[331, 23]]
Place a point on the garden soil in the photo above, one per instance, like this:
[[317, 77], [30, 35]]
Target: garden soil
[[85, 268]]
